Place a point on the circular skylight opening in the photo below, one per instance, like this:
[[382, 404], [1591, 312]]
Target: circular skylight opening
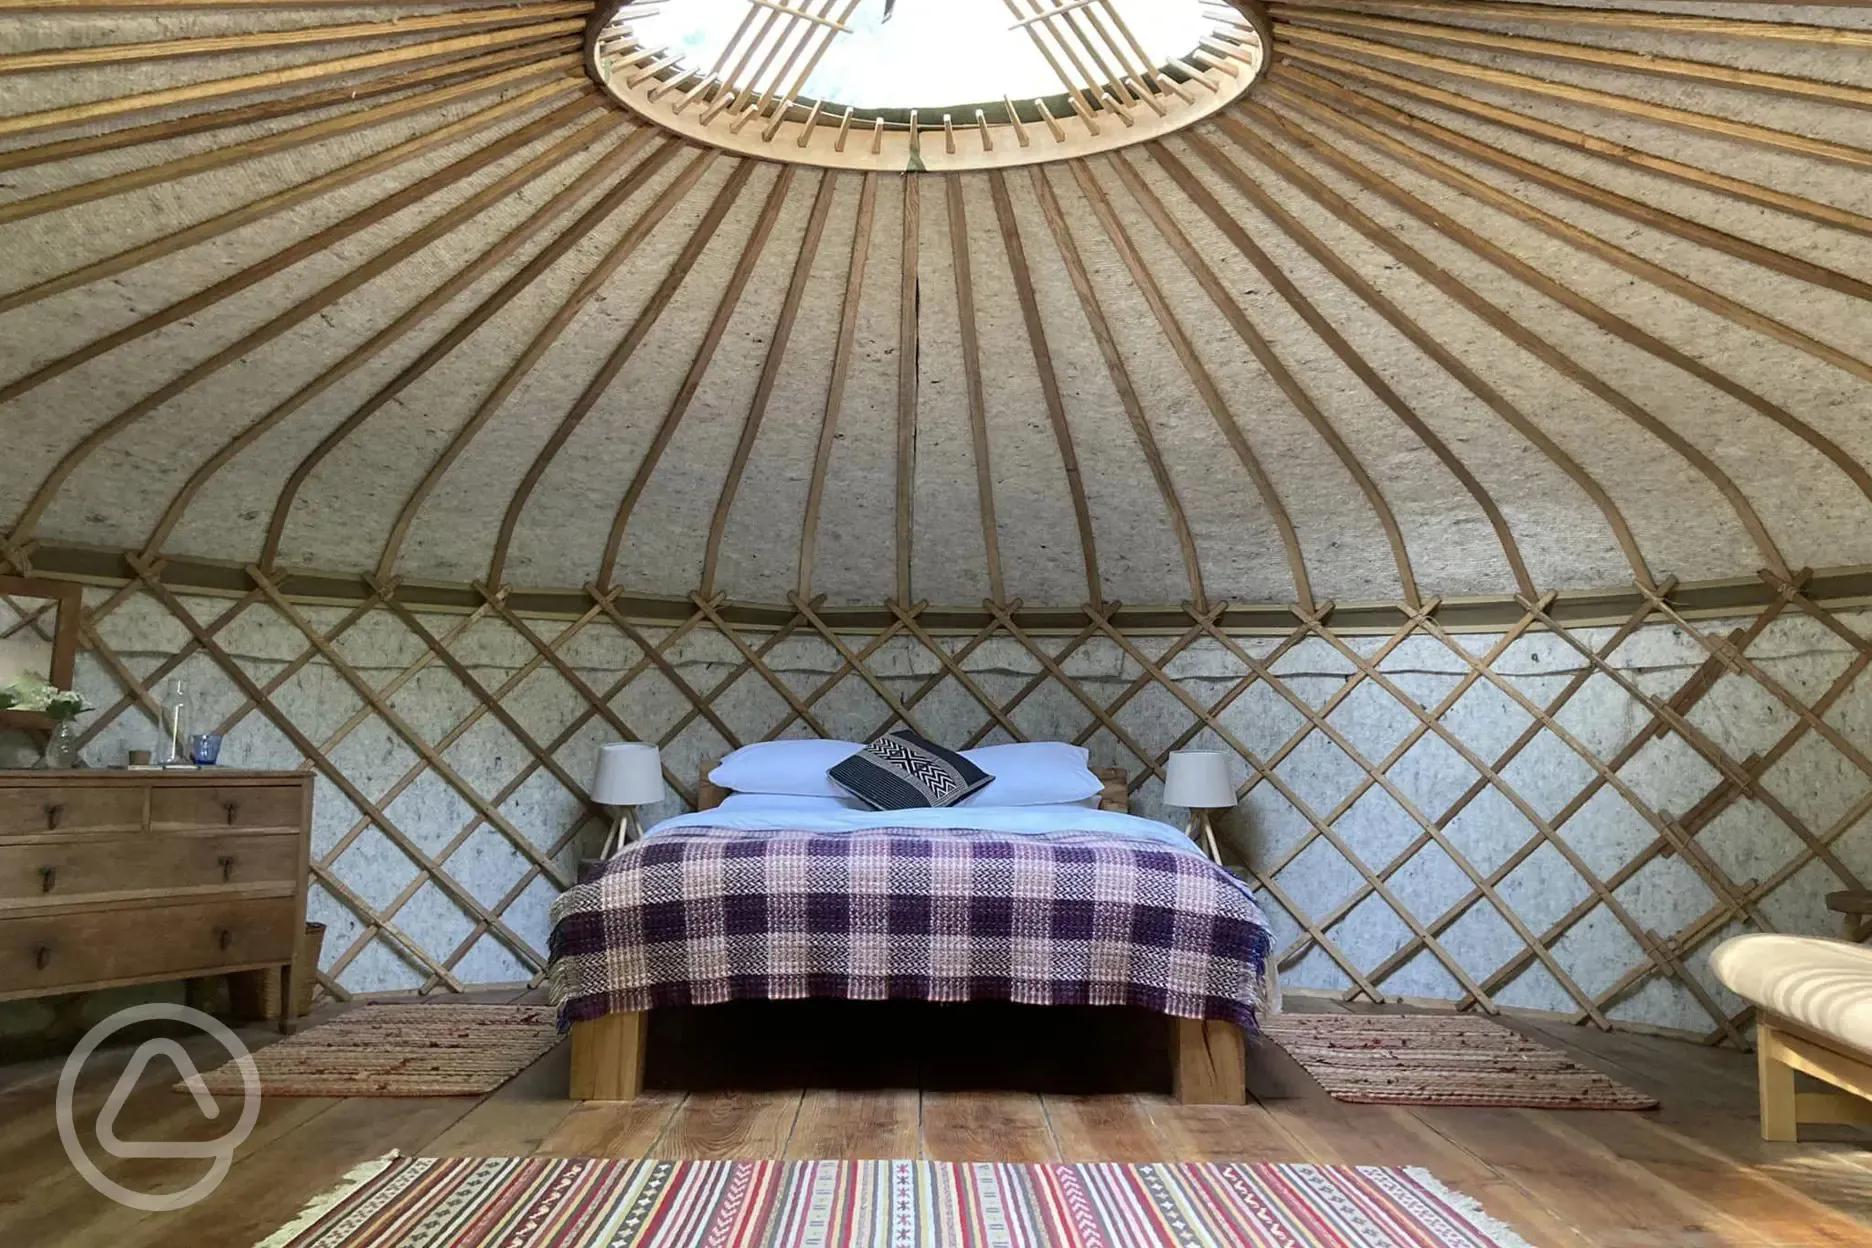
[[931, 53], [925, 84]]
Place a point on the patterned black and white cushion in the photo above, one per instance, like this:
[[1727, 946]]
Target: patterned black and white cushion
[[906, 771]]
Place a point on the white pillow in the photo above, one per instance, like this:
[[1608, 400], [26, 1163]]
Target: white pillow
[[786, 803], [796, 768], [1033, 773]]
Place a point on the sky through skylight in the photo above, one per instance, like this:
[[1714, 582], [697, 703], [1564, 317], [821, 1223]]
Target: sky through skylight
[[931, 53]]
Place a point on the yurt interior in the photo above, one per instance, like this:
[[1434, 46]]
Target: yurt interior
[[935, 623]]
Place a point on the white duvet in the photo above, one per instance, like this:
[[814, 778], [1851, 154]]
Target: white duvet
[[1017, 820]]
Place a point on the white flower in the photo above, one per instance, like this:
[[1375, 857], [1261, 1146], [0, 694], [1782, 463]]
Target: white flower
[[30, 693]]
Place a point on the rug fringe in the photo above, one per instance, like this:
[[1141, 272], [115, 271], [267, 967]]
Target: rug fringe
[[1493, 1229], [354, 1178], [1268, 989]]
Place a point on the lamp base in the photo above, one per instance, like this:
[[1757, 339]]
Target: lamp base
[[1202, 831], [624, 829]]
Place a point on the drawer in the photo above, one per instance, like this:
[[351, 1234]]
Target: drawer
[[144, 862], [230, 806], [30, 808], [45, 954]]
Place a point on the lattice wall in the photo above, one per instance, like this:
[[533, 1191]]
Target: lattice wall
[[1544, 818]]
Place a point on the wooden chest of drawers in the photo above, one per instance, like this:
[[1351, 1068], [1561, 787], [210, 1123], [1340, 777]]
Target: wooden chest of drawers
[[111, 878]]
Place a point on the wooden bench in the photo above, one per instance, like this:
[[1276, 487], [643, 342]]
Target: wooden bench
[[1783, 1047], [1814, 999]]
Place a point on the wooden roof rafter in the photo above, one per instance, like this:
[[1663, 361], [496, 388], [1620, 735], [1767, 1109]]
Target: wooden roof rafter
[[1249, 259]]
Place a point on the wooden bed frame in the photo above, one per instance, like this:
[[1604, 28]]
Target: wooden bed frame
[[1209, 1060]]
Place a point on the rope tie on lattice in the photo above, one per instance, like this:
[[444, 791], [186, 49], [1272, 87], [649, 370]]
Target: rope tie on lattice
[[16, 557]]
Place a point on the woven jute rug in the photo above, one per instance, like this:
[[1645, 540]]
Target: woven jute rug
[[1441, 1059], [544, 1202], [402, 1050]]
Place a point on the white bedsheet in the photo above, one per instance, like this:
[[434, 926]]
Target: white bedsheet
[[1009, 819]]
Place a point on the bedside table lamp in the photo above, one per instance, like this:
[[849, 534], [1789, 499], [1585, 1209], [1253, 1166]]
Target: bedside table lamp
[[630, 774], [1198, 781]]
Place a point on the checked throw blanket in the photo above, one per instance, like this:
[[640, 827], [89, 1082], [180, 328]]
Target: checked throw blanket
[[697, 916]]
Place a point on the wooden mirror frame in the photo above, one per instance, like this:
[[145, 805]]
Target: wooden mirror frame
[[70, 599]]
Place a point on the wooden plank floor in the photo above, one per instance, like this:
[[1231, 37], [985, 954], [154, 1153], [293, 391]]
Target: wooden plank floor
[[980, 1084]]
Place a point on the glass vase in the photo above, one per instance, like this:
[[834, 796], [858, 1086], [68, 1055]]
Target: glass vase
[[172, 747], [61, 751]]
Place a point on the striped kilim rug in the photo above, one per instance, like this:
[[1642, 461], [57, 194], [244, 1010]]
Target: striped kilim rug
[[1442, 1059], [402, 1050], [543, 1202]]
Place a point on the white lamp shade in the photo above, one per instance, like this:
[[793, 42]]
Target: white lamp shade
[[630, 773], [1199, 780]]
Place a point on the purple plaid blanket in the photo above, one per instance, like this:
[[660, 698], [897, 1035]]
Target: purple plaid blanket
[[704, 915]]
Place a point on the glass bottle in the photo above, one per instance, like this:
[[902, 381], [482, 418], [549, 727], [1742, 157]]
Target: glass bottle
[[173, 746]]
